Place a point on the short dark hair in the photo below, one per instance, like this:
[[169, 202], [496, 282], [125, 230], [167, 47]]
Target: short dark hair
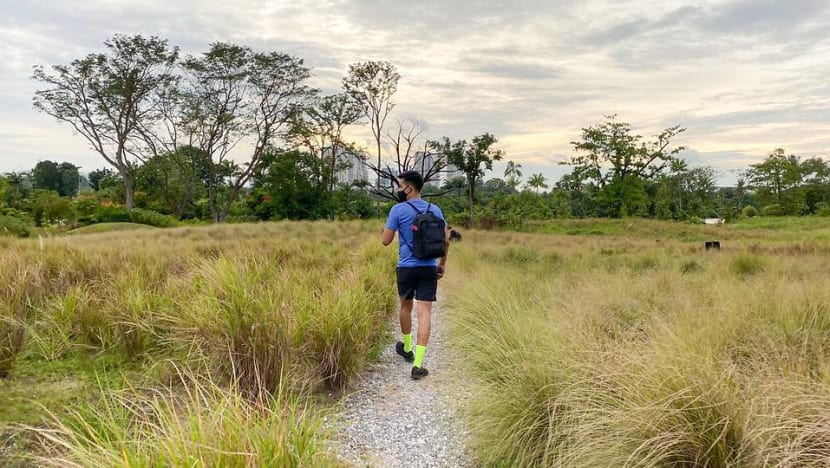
[[414, 178]]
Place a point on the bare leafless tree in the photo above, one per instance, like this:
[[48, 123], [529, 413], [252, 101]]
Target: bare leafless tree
[[372, 84], [409, 150]]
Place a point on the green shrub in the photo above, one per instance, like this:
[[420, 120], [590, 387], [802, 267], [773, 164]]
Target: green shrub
[[746, 265], [85, 205], [117, 214], [643, 263], [151, 218], [822, 209], [10, 226], [749, 212], [240, 219], [458, 219], [48, 206], [773, 210], [111, 214]]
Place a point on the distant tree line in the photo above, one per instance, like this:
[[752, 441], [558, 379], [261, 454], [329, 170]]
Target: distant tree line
[[288, 185], [238, 134]]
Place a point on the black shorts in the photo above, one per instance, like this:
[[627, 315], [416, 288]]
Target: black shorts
[[418, 282]]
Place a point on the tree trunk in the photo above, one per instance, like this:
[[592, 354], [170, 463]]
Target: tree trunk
[[377, 203], [212, 204], [332, 167], [128, 189], [178, 209], [226, 207], [470, 193], [214, 211]]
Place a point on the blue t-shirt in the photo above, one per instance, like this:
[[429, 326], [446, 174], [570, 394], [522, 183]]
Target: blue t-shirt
[[401, 217]]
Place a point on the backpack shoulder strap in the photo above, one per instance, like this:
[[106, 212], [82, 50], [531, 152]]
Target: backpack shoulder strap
[[415, 208]]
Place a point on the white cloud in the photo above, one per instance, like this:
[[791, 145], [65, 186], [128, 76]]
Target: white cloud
[[744, 76]]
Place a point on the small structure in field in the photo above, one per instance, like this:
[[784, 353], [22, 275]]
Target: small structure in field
[[714, 221]]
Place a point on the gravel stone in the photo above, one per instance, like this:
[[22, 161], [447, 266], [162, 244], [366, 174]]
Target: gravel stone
[[392, 420]]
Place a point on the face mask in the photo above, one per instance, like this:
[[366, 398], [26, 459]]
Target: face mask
[[401, 196]]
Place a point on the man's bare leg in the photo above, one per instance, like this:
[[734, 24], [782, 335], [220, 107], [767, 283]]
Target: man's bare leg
[[404, 347], [405, 316], [424, 322], [424, 319]]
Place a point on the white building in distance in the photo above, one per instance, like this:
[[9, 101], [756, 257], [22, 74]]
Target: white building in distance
[[350, 167]]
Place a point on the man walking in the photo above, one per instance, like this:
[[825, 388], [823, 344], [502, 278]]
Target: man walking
[[417, 273]]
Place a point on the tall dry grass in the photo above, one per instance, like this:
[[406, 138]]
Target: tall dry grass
[[264, 310], [20, 286], [630, 352], [198, 422]]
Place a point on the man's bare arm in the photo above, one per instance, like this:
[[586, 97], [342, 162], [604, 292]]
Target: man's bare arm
[[387, 237]]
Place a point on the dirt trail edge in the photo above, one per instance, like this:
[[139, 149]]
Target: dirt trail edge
[[392, 420]]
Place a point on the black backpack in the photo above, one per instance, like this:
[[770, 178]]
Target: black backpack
[[428, 235]]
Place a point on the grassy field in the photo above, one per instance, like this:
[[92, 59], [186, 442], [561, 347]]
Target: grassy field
[[587, 342], [744, 230], [206, 346], [624, 343], [108, 227]]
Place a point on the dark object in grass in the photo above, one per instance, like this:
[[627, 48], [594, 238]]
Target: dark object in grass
[[710, 245], [455, 235]]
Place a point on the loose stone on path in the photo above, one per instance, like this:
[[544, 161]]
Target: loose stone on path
[[392, 420]]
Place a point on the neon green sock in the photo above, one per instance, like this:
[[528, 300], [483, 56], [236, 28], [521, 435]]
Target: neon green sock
[[407, 342], [419, 355]]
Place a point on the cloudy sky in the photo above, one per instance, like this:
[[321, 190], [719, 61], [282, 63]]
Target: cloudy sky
[[744, 76]]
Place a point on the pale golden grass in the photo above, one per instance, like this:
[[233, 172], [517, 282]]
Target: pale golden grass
[[259, 310], [631, 352]]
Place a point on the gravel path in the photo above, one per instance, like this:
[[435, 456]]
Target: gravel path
[[392, 420]]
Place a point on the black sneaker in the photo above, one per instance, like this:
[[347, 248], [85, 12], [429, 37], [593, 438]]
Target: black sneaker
[[419, 372], [407, 356]]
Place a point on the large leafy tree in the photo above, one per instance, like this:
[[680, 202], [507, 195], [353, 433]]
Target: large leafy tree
[[473, 159], [815, 173], [233, 94], [698, 185], [62, 178], [685, 192], [777, 179], [18, 190], [46, 176], [103, 178], [291, 185], [70, 179], [318, 127], [108, 97], [173, 181], [620, 163]]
